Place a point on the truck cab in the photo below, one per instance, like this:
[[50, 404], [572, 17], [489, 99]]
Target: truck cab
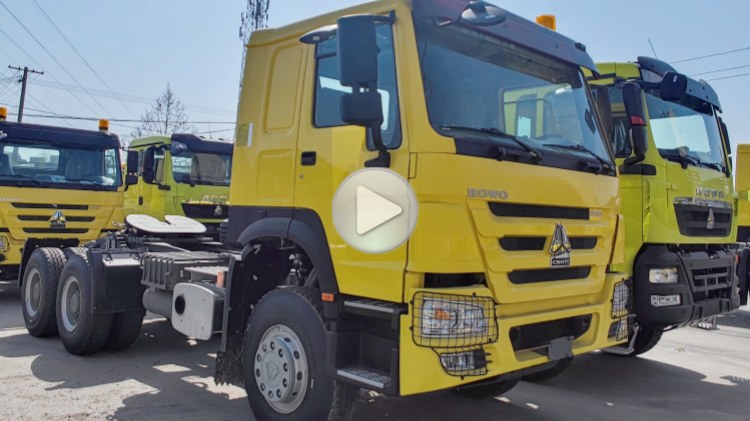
[[490, 120], [182, 174], [676, 190]]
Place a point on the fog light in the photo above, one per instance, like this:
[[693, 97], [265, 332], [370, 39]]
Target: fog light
[[469, 363], [621, 299], [663, 276], [665, 300], [618, 330]]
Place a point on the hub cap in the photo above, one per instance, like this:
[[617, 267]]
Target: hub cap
[[280, 369], [71, 303], [33, 292]]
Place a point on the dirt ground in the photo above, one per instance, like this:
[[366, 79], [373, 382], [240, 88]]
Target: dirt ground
[[693, 374]]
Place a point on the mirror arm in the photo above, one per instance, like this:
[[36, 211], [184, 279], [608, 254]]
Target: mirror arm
[[383, 159]]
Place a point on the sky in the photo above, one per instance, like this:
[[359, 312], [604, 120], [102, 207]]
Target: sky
[[137, 47]]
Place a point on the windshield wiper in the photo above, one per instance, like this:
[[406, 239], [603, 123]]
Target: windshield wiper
[[604, 165], [26, 178], [685, 160], [533, 152]]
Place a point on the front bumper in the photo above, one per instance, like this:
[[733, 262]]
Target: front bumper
[[707, 285], [421, 369]]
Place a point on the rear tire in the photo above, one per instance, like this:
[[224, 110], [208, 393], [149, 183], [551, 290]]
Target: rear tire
[[124, 330], [549, 373], [39, 291], [284, 361], [82, 332], [486, 391]]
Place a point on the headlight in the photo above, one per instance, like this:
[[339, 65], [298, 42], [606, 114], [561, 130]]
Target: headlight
[[3, 243], [663, 276], [447, 318]]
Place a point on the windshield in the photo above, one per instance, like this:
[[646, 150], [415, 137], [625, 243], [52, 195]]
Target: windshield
[[474, 81], [25, 164], [202, 168], [685, 129]]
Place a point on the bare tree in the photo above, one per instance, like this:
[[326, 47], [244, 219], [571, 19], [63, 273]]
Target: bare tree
[[165, 117]]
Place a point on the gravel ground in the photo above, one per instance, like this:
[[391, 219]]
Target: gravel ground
[[693, 374]]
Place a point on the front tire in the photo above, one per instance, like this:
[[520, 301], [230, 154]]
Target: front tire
[[549, 373], [39, 290], [284, 360], [82, 332], [486, 391]]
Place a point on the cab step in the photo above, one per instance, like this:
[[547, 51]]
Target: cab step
[[385, 310], [364, 377]]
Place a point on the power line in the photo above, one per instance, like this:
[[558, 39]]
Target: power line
[[33, 60], [711, 55], [729, 77], [120, 120], [81, 56], [726, 69], [52, 56]]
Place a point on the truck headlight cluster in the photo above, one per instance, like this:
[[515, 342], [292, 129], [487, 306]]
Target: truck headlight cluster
[[450, 321], [663, 276], [4, 243], [621, 299]]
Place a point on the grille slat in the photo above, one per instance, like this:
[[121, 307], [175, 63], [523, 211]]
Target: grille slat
[[55, 230], [48, 206], [532, 276], [44, 218], [537, 243], [536, 211], [205, 211]]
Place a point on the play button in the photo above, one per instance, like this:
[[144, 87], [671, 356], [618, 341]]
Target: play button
[[374, 210]]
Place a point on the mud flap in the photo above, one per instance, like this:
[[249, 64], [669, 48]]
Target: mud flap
[[742, 274]]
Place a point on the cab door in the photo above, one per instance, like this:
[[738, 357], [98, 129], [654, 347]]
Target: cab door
[[328, 151]]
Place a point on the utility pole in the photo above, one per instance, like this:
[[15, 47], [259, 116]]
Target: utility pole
[[25, 77], [254, 17]]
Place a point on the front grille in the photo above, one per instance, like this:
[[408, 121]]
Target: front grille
[[55, 230], [537, 211], [548, 275], [45, 218], [537, 243], [693, 220], [48, 206], [711, 283], [205, 211]]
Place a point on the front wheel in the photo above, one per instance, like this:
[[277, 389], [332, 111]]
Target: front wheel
[[39, 290], [284, 361], [549, 373], [487, 390]]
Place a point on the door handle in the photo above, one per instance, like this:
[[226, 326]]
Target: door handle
[[309, 158]]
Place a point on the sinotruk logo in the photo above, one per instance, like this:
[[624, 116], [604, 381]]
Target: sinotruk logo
[[57, 220]]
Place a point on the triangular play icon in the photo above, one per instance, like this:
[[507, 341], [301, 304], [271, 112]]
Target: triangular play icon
[[373, 210]]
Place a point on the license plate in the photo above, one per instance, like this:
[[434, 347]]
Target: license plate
[[665, 300]]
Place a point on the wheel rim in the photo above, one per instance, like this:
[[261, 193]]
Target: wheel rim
[[71, 303], [33, 292], [280, 369]]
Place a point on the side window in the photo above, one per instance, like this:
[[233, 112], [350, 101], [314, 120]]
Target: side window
[[110, 166], [159, 165], [328, 89], [620, 126]]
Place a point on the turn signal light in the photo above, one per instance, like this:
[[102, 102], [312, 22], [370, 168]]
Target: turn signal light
[[3, 113], [548, 21]]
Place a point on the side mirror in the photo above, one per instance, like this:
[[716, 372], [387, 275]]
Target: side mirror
[[725, 136], [673, 86], [632, 96], [177, 148], [358, 61], [147, 172], [131, 179], [604, 106], [482, 13], [131, 166]]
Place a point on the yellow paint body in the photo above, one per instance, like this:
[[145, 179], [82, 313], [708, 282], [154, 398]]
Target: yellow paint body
[[454, 233]]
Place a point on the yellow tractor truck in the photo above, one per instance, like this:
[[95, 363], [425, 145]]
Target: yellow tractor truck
[[676, 192], [742, 189], [182, 174], [466, 126], [59, 187]]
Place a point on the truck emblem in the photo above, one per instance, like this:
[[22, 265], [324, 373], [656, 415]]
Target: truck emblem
[[560, 247], [57, 220], [711, 221], [218, 211]]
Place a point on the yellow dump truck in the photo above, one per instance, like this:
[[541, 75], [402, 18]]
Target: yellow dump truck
[[459, 123]]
